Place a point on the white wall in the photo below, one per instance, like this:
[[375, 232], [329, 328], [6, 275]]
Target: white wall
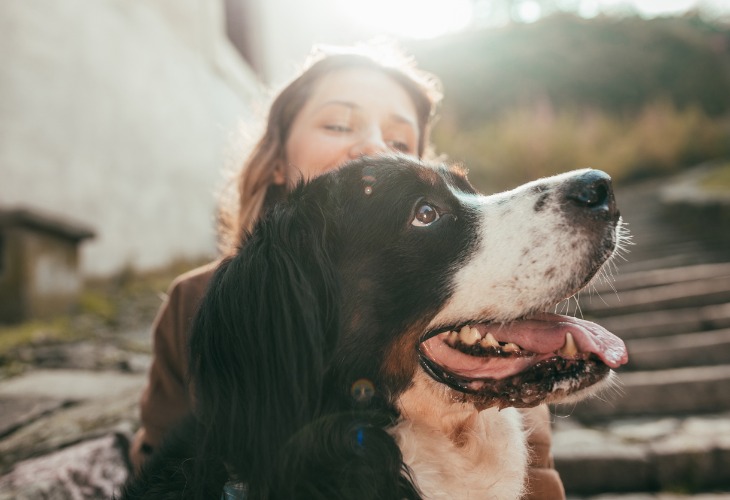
[[289, 28], [118, 114]]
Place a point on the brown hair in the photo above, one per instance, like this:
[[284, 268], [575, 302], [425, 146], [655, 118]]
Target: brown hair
[[255, 185]]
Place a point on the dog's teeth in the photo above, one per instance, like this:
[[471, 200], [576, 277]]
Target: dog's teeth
[[489, 341], [569, 349], [510, 347], [469, 335], [452, 337]]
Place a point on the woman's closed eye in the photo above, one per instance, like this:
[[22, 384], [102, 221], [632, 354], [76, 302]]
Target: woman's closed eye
[[337, 127], [400, 146]]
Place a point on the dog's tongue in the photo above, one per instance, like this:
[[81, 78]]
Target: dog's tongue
[[545, 333], [542, 334]]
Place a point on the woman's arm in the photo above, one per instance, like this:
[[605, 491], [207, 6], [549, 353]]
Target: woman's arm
[[166, 397]]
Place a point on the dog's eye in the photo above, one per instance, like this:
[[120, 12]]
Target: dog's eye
[[426, 214]]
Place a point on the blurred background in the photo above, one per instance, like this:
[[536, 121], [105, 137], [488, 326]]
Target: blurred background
[[120, 121]]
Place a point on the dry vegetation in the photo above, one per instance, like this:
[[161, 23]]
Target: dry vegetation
[[538, 140], [626, 95]]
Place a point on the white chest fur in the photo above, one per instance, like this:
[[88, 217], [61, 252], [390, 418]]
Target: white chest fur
[[455, 452]]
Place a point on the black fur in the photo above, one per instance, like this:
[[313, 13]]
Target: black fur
[[307, 335]]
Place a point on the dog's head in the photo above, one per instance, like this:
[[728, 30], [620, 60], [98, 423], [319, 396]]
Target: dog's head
[[388, 268]]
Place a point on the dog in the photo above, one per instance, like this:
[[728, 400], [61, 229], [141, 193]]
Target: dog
[[377, 331]]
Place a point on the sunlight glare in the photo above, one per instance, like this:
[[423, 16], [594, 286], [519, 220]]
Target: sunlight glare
[[409, 18], [529, 11], [589, 9], [665, 7]]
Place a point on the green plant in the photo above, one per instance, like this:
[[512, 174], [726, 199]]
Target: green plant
[[34, 332], [718, 179], [99, 304]]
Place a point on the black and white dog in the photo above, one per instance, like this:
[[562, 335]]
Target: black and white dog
[[377, 331]]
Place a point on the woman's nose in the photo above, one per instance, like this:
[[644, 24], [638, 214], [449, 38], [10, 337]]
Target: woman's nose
[[369, 145]]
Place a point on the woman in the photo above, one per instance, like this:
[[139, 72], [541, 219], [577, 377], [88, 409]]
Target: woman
[[344, 105]]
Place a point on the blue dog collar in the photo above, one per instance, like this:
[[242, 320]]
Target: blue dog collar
[[234, 491]]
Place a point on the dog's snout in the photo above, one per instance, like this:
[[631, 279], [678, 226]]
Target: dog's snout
[[592, 190]]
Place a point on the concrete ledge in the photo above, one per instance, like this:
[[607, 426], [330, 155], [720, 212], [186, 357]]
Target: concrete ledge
[[664, 323], [686, 201], [654, 496], [75, 385], [662, 276], [704, 470], [617, 474], [663, 392], [690, 349], [705, 292], [667, 454], [591, 462]]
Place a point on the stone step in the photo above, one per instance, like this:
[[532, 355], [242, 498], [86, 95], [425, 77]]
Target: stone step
[[654, 496], [678, 391], [645, 256], [15, 412], [673, 296], [689, 349], [644, 455], [46, 410], [650, 261], [70, 385], [672, 322], [662, 276]]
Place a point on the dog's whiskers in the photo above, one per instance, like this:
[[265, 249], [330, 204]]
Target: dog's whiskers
[[560, 307], [605, 277], [624, 239], [578, 309]]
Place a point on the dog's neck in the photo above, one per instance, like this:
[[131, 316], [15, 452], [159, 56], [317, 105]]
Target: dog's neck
[[457, 451]]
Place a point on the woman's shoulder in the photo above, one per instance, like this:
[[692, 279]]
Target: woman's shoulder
[[193, 282]]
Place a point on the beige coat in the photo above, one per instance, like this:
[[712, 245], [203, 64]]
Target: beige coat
[[166, 397]]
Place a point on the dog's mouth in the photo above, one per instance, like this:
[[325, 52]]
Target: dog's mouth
[[521, 363]]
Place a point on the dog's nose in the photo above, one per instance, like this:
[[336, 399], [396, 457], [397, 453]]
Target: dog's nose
[[592, 190]]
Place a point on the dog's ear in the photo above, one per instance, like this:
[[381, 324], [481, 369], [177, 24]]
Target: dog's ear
[[259, 344]]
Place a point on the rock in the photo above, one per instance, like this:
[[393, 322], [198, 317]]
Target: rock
[[84, 355], [91, 469], [74, 385], [644, 454], [87, 405], [18, 411]]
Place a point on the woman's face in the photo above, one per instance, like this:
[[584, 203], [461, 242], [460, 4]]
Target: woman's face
[[351, 113]]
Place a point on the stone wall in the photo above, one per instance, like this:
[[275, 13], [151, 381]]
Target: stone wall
[[120, 114]]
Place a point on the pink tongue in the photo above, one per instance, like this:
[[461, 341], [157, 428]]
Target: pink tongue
[[543, 334]]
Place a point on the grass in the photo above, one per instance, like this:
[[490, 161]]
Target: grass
[[106, 307], [537, 140], [718, 179], [99, 304], [36, 332]]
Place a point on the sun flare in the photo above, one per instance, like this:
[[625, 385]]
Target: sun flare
[[409, 18]]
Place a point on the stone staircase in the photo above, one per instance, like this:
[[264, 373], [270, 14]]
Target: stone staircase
[[666, 426]]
